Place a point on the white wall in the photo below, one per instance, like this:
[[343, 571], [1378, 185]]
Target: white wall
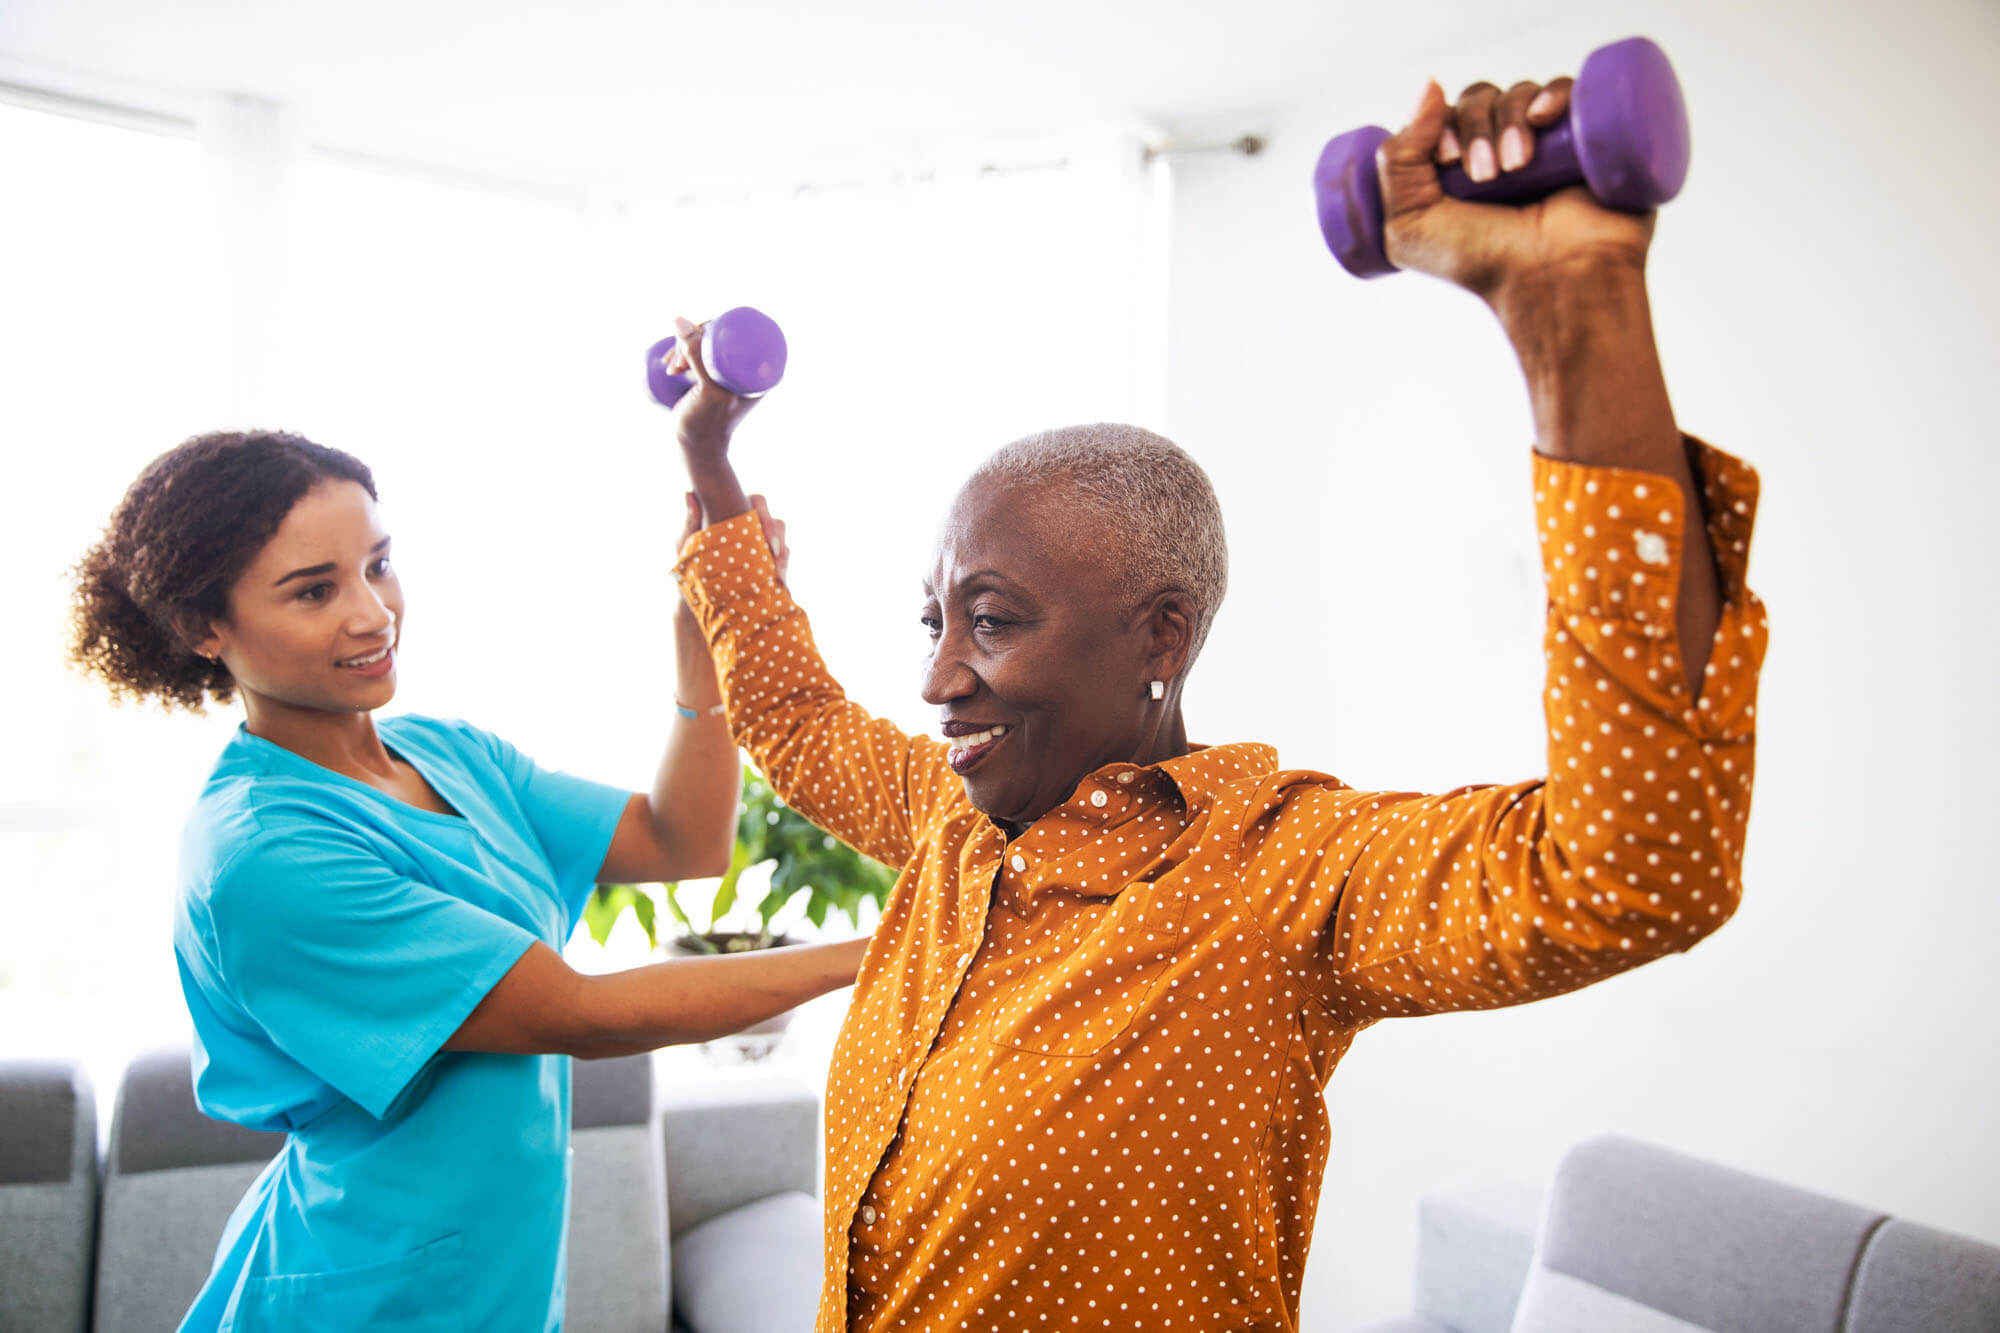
[[1826, 298]]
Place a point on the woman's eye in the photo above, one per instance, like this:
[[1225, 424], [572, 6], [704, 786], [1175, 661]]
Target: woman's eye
[[380, 567], [315, 592], [988, 622], [931, 624]]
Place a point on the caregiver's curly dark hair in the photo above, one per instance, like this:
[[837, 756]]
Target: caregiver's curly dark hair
[[188, 527]]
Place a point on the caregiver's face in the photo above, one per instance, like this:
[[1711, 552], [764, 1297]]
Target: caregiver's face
[[1039, 672], [314, 619]]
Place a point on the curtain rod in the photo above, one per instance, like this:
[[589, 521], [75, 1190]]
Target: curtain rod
[[95, 109]]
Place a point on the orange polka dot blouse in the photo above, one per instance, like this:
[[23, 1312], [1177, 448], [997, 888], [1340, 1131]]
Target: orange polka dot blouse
[[1080, 1080]]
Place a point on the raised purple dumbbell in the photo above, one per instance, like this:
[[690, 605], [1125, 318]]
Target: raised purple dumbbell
[[1625, 137], [743, 348]]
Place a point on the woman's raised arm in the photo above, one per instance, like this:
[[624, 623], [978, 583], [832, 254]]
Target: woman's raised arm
[[859, 777]]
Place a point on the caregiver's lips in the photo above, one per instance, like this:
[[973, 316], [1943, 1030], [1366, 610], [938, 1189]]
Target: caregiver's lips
[[378, 663]]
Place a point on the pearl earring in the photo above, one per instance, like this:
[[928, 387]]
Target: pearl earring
[[1158, 689]]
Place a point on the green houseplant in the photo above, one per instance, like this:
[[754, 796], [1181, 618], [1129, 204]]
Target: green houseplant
[[808, 860]]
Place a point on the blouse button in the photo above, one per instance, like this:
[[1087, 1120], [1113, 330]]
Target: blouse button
[[867, 1215], [1098, 798], [1019, 862]]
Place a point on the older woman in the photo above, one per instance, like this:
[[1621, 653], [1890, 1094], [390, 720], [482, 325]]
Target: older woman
[[1080, 1081]]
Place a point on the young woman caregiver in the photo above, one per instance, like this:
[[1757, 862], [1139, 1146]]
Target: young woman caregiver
[[370, 910]]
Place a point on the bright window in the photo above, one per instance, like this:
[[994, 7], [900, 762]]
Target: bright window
[[482, 354]]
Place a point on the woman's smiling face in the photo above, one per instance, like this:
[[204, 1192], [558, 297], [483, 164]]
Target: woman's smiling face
[[1038, 663], [314, 620]]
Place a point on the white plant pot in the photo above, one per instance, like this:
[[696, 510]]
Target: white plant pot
[[755, 1042]]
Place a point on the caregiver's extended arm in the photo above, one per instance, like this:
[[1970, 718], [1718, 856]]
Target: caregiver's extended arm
[[544, 1006]]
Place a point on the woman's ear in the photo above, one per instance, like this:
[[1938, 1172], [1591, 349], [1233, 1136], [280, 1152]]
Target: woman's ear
[[1171, 618], [202, 637]]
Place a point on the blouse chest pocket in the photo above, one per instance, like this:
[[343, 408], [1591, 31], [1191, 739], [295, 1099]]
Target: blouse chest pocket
[[420, 1292], [1087, 979]]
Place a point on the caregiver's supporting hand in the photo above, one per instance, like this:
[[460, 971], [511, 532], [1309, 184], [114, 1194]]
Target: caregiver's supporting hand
[[1567, 278], [544, 1006]]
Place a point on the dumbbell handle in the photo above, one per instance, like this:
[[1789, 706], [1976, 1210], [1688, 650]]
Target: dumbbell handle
[[743, 348], [1625, 136], [1554, 167]]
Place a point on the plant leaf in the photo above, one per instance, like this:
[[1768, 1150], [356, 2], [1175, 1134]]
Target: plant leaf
[[605, 906], [674, 907], [644, 909]]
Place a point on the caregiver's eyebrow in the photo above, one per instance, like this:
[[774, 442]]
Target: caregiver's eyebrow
[[314, 571]]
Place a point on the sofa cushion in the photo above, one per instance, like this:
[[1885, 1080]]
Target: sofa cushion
[[48, 1194], [172, 1178], [1915, 1278], [1636, 1235], [158, 1241], [617, 1262], [754, 1269], [156, 1125]]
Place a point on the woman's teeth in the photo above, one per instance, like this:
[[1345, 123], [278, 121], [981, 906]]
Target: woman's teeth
[[977, 738], [369, 660]]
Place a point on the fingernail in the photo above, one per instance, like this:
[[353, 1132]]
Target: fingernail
[[1513, 149], [1479, 160], [1448, 150], [1545, 102], [683, 326]]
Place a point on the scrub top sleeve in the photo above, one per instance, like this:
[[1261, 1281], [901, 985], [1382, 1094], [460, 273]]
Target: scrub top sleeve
[[357, 973], [573, 818]]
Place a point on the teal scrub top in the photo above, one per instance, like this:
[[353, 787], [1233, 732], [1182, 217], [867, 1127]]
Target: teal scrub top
[[331, 938]]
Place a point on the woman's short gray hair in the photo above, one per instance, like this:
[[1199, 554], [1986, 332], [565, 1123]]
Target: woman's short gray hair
[[1147, 491]]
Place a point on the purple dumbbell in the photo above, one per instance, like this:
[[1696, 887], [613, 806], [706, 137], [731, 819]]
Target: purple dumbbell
[[743, 348], [1625, 137]]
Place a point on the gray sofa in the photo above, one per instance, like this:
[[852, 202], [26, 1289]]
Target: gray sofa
[[692, 1201], [1636, 1239]]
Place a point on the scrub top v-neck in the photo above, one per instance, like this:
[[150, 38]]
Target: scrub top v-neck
[[330, 939]]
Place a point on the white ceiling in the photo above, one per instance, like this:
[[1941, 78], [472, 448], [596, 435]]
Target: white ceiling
[[627, 96]]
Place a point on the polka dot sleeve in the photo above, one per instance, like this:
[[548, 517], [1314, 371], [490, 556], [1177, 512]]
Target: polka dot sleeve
[[856, 776], [1630, 848]]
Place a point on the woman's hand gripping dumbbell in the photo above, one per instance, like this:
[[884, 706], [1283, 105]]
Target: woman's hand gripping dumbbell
[[1620, 130], [742, 350], [735, 359], [728, 364]]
